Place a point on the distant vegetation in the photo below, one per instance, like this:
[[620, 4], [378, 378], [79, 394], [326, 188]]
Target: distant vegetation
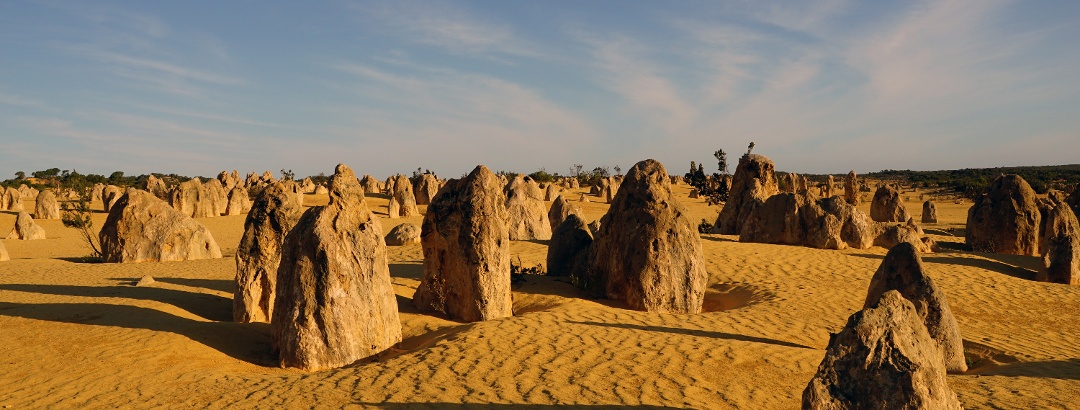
[[972, 181], [56, 178]]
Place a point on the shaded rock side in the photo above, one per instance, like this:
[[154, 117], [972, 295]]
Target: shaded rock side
[[882, 359], [902, 270], [272, 216], [143, 228], [1005, 219], [754, 182], [929, 212], [335, 302], [887, 206], [647, 252], [425, 188], [568, 247], [466, 248]]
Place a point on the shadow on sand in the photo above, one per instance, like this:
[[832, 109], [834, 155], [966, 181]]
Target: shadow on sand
[[693, 332], [249, 342], [209, 307]]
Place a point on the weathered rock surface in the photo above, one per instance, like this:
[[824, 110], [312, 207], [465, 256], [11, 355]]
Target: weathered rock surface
[[191, 199], [143, 228], [1005, 219], [335, 303], [892, 235], [10, 199], [929, 212], [902, 270], [154, 185], [568, 247], [109, 196], [239, 202], [560, 209], [1061, 264], [370, 184], [754, 182], [884, 358], [801, 219], [95, 193], [25, 228], [887, 206], [403, 234], [272, 216], [851, 189], [4, 253], [466, 247], [424, 188], [647, 251], [526, 211], [218, 197], [402, 201], [229, 180], [46, 206], [1056, 219], [551, 192]]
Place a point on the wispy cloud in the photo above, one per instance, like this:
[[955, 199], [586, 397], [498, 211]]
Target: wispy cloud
[[444, 25], [16, 100]]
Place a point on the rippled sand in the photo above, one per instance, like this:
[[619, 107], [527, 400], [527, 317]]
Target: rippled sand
[[79, 335]]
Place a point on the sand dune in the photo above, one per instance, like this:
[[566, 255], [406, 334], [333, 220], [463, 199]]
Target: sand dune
[[79, 335]]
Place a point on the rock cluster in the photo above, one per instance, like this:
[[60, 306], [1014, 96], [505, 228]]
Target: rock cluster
[[143, 228]]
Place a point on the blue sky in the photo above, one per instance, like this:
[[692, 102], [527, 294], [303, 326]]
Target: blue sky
[[197, 87]]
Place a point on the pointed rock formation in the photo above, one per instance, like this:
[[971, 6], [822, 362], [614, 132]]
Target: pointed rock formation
[[239, 201], [109, 196], [647, 251], [1005, 219], [424, 188], [467, 251], [335, 303], [143, 228], [402, 201], [887, 206], [800, 219], [560, 209], [46, 206], [526, 211], [25, 228], [902, 270], [883, 358], [754, 182], [851, 189], [274, 213], [153, 185], [370, 184], [929, 212]]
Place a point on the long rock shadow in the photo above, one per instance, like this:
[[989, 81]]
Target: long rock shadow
[[249, 342], [988, 264], [220, 285], [702, 333], [209, 307], [1068, 369]]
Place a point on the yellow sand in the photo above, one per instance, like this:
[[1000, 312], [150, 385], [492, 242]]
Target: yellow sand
[[79, 335]]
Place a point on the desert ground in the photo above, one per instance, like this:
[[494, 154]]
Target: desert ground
[[81, 335]]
